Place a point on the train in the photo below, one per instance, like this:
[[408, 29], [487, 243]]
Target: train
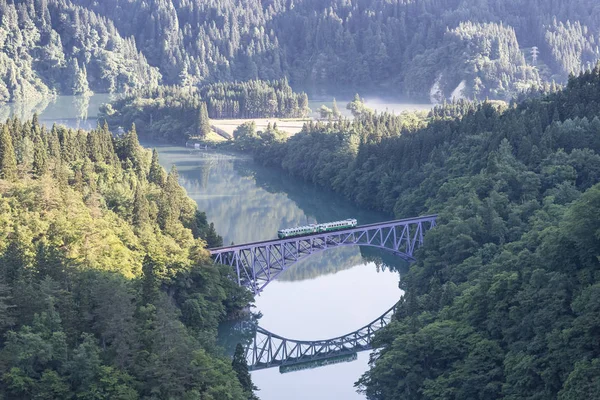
[[316, 228]]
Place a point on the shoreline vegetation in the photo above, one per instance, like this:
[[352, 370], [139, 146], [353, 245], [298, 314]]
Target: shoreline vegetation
[[102, 257], [175, 115], [185, 116]]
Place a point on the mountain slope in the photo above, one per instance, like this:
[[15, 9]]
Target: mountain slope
[[484, 48], [56, 47], [364, 43]]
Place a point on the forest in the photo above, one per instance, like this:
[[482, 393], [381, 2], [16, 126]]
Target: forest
[[106, 288], [502, 301], [175, 114], [411, 46], [425, 49], [51, 47]]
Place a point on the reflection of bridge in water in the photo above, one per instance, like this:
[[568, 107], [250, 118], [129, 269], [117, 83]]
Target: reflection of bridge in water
[[269, 350], [257, 264]]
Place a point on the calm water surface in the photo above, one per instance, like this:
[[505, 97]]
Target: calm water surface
[[72, 111], [375, 103], [327, 295]]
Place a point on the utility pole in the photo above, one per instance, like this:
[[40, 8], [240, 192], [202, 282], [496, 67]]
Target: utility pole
[[534, 54]]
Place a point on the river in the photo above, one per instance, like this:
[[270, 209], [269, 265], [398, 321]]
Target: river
[[327, 295], [72, 111]]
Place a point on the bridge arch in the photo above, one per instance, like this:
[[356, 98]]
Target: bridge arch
[[257, 264], [268, 350]]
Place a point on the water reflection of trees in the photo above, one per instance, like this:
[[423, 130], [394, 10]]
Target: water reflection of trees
[[241, 211], [81, 106], [342, 258], [23, 110], [316, 202], [71, 111], [237, 331], [384, 260], [325, 263]]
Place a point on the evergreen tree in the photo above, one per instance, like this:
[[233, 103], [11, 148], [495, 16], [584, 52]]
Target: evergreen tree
[[14, 260], [203, 124], [129, 148], [335, 110], [140, 207], [7, 316], [8, 161], [157, 173], [79, 83], [150, 280], [170, 204], [213, 239], [240, 367], [50, 262], [94, 149], [39, 167]]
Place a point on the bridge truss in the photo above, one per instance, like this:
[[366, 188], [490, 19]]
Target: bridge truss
[[257, 264], [269, 350]]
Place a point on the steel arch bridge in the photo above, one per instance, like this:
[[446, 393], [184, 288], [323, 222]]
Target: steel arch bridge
[[269, 350], [257, 264]]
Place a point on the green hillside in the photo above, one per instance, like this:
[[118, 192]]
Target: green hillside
[[106, 288]]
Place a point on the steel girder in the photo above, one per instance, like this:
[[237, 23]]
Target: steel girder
[[257, 264], [269, 350]]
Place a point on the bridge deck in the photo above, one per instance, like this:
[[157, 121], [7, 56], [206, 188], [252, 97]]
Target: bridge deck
[[217, 250]]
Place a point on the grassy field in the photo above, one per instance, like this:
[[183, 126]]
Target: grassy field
[[291, 126]]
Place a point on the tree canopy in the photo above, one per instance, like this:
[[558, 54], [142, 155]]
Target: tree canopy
[[106, 288], [175, 114], [56, 46], [428, 48]]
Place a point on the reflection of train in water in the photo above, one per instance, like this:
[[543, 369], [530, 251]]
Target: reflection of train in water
[[316, 228], [318, 363]]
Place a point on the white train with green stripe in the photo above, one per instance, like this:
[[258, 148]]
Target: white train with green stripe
[[316, 228]]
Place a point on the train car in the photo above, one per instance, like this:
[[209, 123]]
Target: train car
[[298, 231], [316, 228]]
